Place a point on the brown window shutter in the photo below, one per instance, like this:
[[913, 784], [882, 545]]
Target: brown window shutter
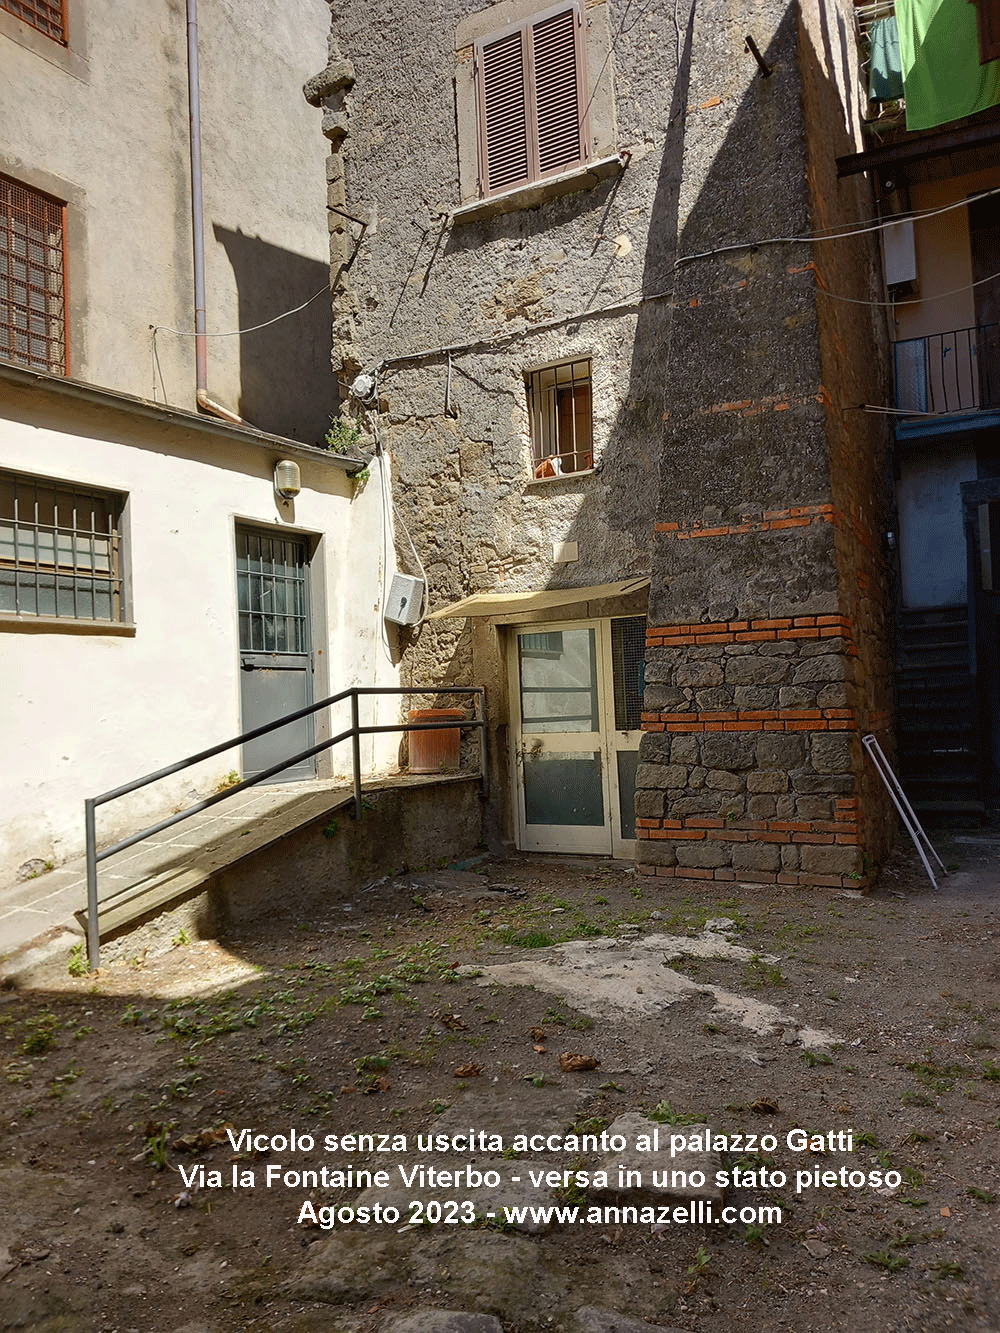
[[504, 113], [557, 91], [988, 16]]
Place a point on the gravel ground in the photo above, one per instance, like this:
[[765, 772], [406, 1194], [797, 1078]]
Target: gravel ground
[[441, 1002]]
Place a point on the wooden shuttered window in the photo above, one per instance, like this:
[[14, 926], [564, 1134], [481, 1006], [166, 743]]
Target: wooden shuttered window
[[988, 17], [532, 101]]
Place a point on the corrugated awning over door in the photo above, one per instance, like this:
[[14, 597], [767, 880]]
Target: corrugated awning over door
[[512, 604]]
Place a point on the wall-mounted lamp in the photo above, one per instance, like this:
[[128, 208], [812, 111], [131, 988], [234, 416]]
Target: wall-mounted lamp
[[287, 479]]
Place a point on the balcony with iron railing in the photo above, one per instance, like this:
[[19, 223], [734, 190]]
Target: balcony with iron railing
[[951, 373]]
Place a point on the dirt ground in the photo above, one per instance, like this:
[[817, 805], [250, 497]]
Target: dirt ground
[[880, 1015]]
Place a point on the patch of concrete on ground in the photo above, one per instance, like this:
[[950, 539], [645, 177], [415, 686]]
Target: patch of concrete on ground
[[605, 977]]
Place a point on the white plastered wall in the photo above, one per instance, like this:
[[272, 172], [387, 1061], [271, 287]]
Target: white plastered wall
[[85, 712]]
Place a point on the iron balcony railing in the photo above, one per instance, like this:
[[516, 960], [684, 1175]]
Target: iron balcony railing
[[353, 733], [957, 371]]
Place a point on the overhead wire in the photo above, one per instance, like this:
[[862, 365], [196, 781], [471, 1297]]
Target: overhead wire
[[229, 333]]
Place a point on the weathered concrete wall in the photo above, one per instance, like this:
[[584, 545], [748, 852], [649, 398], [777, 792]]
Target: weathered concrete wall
[[404, 828], [108, 133], [768, 647]]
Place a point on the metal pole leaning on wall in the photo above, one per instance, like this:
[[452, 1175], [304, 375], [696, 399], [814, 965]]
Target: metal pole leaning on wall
[[906, 813], [356, 754]]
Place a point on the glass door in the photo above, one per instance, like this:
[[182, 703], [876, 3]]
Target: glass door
[[626, 665], [562, 778]]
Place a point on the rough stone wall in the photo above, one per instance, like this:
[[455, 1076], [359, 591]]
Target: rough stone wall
[[510, 292], [725, 463], [766, 624]]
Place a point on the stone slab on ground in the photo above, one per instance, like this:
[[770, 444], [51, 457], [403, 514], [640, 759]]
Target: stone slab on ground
[[595, 1319], [632, 1126], [498, 1109], [481, 1271], [515, 1190], [443, 1321]]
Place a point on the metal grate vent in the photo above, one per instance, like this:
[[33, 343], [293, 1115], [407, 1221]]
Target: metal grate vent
[[32, 288], [628, 660]]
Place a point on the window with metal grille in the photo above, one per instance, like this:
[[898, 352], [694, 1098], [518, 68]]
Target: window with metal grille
[[32, 278], [48, 16], [561, 417], [60, 550], [532, 101]]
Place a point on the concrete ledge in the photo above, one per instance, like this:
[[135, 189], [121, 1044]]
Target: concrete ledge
[[538, 192], [304, 856]]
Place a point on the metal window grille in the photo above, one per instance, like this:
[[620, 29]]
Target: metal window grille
[[48, 16], [628, 660], [561, 416], [273, 595], [60, 550], [32, 278], [532, 100]]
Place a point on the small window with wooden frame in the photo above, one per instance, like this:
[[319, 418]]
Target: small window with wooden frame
[[32, 278], [531, 100], [48, 16], [560, 412]]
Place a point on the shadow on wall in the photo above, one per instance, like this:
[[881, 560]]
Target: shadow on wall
[[615, 519], [287, 384]]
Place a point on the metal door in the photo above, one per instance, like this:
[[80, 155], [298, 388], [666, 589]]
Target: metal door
[[272, 580]]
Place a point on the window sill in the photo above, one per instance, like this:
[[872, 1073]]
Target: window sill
[[14, 624], [539, 483], [537, 192]]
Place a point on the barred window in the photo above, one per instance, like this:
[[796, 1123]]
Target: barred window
[[48, 16], [32, 278], [561, 416], [60, 550]]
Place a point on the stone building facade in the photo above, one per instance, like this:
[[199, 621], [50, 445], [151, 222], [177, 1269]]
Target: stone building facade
[[727, 498]]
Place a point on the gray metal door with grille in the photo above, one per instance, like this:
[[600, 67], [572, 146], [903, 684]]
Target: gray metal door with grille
[[272, 580]]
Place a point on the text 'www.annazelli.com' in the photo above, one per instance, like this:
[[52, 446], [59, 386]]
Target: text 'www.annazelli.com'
[[699, 1212]]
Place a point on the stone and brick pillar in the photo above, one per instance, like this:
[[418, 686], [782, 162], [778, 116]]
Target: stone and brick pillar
[[768, 650]]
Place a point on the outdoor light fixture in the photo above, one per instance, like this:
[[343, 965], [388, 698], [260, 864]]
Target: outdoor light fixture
[[287, 479]]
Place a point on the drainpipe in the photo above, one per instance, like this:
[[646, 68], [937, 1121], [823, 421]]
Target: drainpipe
[[204, 402]]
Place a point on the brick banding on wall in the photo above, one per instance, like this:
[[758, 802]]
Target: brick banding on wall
[[751, 749], [799, 516]]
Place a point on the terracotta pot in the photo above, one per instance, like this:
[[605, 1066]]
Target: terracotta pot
[[438, 751]]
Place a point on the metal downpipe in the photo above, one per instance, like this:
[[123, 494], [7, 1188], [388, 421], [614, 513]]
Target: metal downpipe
[[205, 403]]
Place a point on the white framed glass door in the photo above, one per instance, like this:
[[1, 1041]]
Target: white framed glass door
[[575, 736]]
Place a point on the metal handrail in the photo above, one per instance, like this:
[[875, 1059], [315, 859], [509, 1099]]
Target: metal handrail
[[353, 734]]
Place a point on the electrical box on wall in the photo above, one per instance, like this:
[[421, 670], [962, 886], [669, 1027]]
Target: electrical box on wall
[[406, 597]]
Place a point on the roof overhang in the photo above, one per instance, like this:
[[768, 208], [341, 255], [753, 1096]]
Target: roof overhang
[[510, 606]]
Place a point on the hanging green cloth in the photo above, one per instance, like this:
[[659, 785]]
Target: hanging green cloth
[[942, 77], [885, 80]]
